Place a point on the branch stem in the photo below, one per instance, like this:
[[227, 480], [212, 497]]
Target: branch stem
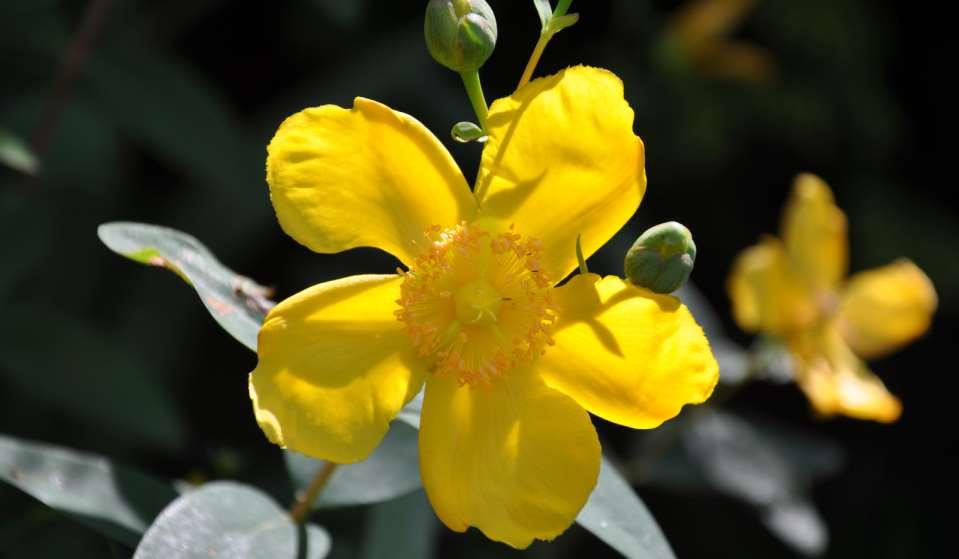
[[474, 89], [304, 503]]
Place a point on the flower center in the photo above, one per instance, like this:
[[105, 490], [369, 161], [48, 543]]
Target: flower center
[[476, 304]]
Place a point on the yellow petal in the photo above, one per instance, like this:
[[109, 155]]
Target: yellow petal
[[814, 232], [886, 308], [626, 354], [837, 382], [369, 176], [515, 459], [766, 295], [562, 160], [335, 366]]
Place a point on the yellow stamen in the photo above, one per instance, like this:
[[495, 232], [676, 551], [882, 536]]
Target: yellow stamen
[[476, 304]]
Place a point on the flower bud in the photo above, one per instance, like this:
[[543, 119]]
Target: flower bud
[[460, 34], [464, 132], [662, 258]]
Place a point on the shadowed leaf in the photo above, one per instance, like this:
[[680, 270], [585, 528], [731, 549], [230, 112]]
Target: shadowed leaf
[[115, 501], [237, 303], [227, 519]]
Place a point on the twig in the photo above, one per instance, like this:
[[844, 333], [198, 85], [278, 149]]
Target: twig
[[304, 503], [70, 68]]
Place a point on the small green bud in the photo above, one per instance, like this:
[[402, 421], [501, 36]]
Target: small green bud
[[460, 34], [662, 258], [465, 132]]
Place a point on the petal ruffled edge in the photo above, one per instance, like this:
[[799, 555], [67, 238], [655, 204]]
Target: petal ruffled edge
[[515, 459], [626, 354], [367, 176], [334, 368]]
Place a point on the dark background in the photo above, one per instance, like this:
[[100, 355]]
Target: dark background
[[167, 122]]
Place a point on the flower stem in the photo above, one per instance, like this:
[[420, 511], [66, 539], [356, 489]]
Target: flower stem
[[304, 503], [583, 269], [544, 38], [474, 89]]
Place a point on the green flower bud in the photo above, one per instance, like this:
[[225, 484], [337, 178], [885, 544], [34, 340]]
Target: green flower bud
[[465, 132], [662, 258], [460, 34]]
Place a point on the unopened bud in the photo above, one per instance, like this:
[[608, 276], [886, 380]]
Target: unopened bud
[[465, 132], [662, 258], [460, 34]]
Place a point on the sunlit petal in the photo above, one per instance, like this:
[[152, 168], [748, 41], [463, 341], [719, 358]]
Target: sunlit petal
[[562, 161], [886, 308], [626, 354], [838, 382], [515, 459], [334, 368], [367, 176], [766, 295], [814, 232]]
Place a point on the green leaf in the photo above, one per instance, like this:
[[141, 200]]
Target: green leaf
[[545, 11], [88, 376], [616, 515], [115, 501], [558, 23], [237, 303], [391, 471], [771, 468], [16, 154], [228, 519], [403, 527]]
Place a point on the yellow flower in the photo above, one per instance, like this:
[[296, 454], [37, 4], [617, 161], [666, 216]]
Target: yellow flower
[[511, 362], [699, 32], [795, 289]]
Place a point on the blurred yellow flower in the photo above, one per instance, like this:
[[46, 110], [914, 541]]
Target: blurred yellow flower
[[795, 289], [511, 361], [699, 33]]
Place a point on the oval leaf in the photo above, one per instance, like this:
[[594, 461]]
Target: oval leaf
[[117, 502], [16, 154], [236, 302], [227, 519], [391, 471], [616, 515], [403, 527]]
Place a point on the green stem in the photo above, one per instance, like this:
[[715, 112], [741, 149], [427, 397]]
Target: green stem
[[474, 89], [544, 39], [583, 269], [304, 504]]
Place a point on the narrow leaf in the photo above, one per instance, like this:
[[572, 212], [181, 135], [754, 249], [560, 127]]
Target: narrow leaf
[[403, 527], [616, 515], [771, 468], [236, 302], [16, 154], [115, 501], [545, 11], [557, 24], [227, 519]]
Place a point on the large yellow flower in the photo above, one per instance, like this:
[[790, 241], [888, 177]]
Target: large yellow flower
[[795, 289], [511, 362]]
